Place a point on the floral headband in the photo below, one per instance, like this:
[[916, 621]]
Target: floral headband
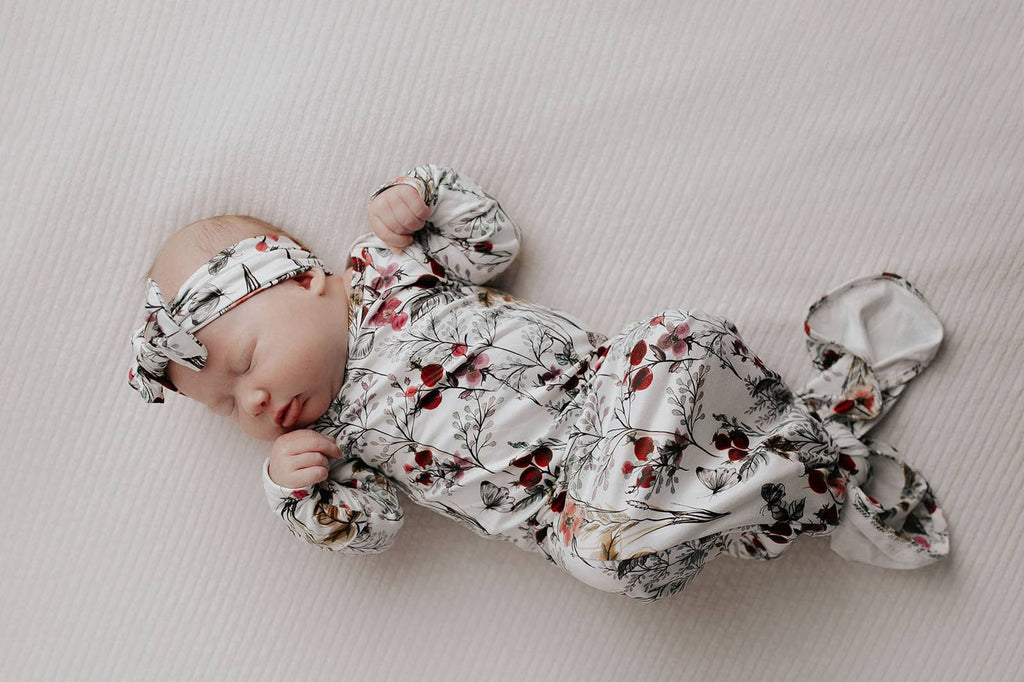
[[227, 279]]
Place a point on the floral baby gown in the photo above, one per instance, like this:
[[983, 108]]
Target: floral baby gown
[[629, 461]]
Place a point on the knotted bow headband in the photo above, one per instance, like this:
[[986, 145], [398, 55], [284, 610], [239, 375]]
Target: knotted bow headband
[[227, 279]]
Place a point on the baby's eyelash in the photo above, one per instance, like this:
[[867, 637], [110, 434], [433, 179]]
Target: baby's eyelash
[[252, 355]]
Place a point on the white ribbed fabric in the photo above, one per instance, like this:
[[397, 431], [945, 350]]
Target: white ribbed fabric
[[742, 158]]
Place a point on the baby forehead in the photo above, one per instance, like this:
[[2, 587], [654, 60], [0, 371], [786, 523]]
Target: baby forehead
[[195, 245]]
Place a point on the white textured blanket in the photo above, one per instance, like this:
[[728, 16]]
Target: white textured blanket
[[742, 158]]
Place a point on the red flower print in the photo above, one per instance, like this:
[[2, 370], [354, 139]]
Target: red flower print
[[627, 467], [483, 247], [736, 442], [530, 477], [430, 400], [843, 406], [638, 353], [431, 374], [646, 477], [425, 281], [424, 458], [386, 314], [642, 379], [657, 320], [299, 494], [643, 447], [399, 320], [862, 395], [675, 339], [524, 461], [459, 349], [816, 480]]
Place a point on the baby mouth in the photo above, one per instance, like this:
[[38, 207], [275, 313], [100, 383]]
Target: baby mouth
[[289, 414]]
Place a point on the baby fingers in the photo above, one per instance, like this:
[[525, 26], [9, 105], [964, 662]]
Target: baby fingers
[[403, 217], [389, 236], [303, 441]]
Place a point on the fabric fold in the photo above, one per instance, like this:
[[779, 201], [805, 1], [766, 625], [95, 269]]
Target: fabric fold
[[870, 337]]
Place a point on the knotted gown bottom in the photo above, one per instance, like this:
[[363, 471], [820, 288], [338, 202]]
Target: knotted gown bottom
[[687, 447]]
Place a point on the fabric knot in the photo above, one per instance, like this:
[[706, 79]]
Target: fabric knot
[[227, 279]]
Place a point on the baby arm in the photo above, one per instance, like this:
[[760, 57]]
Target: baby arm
[[348, 508], [465, 230]]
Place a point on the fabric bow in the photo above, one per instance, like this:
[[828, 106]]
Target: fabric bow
[[227, 279], [159, 340]]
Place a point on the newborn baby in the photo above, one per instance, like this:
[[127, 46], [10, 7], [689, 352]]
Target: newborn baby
[[629, 462]]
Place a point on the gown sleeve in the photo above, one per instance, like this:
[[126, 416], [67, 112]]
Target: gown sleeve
[[354, 511], [467, 232]]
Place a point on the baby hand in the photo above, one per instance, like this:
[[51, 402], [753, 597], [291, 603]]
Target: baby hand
[[299, 458], [396, 213]]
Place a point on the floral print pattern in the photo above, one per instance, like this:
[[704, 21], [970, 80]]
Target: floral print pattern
[[630, 461]]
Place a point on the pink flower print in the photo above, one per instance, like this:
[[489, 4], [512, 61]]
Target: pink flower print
[[859, 395], [864, 396], [386, 278], [551, 376], [567, 522], [399, 320], [463, 464], [675, 339], [386, 315], [471, 368]]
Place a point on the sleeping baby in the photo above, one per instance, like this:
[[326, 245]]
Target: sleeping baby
[[629, 462]]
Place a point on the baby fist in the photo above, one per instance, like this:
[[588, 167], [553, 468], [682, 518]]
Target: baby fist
[[299, 458], [396, 213]]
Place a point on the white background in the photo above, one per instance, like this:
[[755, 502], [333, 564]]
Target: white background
[[741, 158]]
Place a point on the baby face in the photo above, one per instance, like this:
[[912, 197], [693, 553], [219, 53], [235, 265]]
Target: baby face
[[276, 360]]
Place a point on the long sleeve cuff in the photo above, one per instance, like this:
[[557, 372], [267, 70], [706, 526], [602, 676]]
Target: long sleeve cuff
[[275, 493]]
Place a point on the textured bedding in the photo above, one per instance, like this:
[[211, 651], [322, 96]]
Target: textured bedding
[[740, 158]]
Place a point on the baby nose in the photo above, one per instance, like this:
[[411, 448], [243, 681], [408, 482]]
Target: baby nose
[[257, 401]]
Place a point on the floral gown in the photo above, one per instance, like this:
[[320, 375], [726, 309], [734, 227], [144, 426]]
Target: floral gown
[[630, 461]]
